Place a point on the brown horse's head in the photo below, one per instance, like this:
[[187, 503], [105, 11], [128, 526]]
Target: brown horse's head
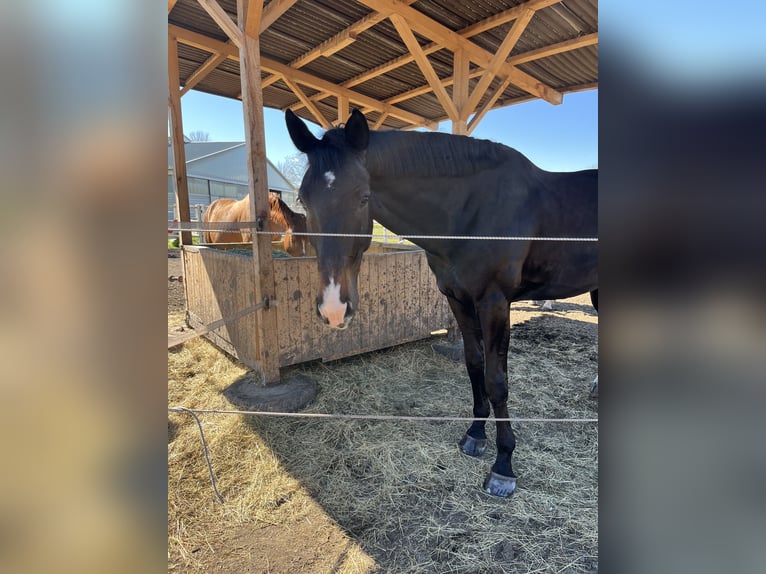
[[335, 192]]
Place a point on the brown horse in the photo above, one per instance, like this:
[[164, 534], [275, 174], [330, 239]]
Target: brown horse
[[281, 220]]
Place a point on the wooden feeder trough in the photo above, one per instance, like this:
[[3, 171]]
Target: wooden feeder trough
[[398, 303]]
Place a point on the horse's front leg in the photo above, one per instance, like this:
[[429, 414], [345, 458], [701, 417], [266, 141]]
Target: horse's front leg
[[474, 441], [494, 317]]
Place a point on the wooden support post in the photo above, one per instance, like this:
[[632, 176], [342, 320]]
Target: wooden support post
[[252, 102], [460, 92], [342, 109], [180, 182]]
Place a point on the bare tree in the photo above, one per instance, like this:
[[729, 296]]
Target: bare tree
[[199, 136], [293, 167]]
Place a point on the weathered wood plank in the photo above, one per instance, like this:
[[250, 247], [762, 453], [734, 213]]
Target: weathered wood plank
[[399, 302]]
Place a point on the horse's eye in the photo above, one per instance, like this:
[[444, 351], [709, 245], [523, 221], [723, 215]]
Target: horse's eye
[[365, 199]]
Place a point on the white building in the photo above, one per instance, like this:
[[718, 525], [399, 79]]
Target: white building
[[219, 169]]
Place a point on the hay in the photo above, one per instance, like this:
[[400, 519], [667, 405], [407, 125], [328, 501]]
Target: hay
[[389, 496]]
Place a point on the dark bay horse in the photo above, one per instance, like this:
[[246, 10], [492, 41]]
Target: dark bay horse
[[282, 219], [439, 184]]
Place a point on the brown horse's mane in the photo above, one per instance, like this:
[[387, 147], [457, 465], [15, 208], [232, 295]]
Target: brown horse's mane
[[282, 216], [280, 213]]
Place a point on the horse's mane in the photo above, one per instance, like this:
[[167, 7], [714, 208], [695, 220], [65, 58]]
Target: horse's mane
[[281, 214], [427, 154]]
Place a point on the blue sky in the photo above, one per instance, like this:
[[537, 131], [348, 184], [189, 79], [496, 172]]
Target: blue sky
[[556, 138]]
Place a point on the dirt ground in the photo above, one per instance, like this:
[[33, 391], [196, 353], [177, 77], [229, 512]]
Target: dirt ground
[[175, 288], [363, 497]]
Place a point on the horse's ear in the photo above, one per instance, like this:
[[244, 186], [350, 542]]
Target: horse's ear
[[357, 132], [303, 139]]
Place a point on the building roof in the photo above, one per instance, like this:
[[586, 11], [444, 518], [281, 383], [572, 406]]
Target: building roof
[[395, 59], [227, 162]]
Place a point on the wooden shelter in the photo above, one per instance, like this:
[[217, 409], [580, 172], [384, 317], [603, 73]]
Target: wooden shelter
[[404, 63]]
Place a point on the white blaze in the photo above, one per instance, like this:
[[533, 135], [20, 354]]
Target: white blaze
[[331, 308], [329, 178]]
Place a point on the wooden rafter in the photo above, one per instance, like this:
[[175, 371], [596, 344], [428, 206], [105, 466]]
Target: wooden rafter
[[482, 26], [344, 37], [223, 20], [454, 41], [425, 66], [510, 40], [505, 17], [530, 56], [522, 58], [381, 119], [553, 49], [479, 115], [311, 106], [299, 76], [254, 13], [203, 71], [208, 44], [171, 4], [273, 11]]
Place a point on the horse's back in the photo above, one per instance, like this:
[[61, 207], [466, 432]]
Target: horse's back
[[223, 210]]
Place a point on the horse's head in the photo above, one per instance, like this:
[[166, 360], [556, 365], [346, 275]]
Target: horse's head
[[335, 193]]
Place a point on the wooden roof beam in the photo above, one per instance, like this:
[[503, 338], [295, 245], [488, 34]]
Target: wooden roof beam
[[506, 16], [343, 38], [203, 71], [479, 115], [454, 41], [212, 45], [171, 4], [311, 106], [253, 14], [273, 11], [553, 49], [223, 20], [302, 77], [523, 58], [372, 19], [510, 40], [482, 26], [425, 66]]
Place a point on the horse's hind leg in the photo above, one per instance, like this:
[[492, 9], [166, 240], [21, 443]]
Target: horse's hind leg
[[474, 441], [594, 299]]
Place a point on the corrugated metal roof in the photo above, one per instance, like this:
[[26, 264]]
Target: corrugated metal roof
[[227, 162], [377, 64]]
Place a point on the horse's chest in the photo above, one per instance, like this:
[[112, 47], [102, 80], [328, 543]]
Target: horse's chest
[[452, 280]]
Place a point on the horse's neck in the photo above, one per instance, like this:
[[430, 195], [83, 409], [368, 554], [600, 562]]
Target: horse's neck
[[404, 175], [405, 155]]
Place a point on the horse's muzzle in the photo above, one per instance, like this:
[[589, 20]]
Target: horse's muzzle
[[336, 318]]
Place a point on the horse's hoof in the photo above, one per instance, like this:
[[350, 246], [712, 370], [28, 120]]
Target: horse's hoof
[[499, 485], [472, 446]]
